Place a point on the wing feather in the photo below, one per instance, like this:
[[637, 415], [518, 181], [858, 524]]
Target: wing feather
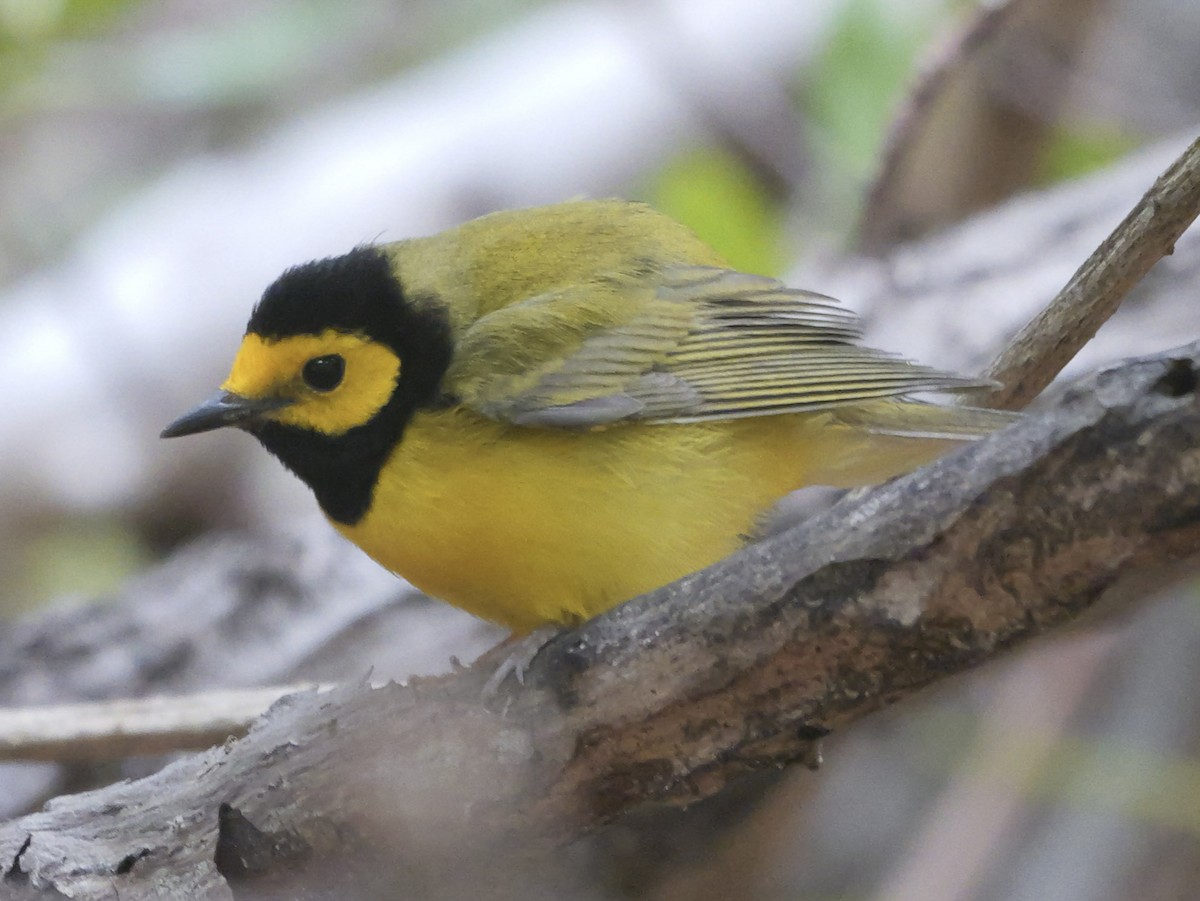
[[699, 343]]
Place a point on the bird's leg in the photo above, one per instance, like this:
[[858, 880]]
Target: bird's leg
[[515, 654]]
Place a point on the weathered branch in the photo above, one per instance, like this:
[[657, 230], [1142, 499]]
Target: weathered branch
[[667, 698]]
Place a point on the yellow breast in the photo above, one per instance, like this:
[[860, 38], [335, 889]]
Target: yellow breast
[[527, 527]]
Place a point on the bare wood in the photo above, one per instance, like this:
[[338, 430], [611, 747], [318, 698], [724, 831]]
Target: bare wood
[[669, 697], [111, 730], [1041, 350]]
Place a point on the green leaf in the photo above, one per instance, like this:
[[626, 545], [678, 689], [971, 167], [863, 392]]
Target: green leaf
[[1076, 151], [717, 196]]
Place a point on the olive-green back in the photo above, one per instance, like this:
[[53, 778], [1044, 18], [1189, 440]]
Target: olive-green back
[[589, 313]]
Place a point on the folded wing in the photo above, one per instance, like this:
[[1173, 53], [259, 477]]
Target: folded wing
[[688, 344]]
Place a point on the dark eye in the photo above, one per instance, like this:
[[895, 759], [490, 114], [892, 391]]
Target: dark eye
[[324, 373]]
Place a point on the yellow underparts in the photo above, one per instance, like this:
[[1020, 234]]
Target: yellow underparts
[[528, 527]]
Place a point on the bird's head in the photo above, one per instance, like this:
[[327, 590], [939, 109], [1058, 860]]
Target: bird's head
[[335, 361]]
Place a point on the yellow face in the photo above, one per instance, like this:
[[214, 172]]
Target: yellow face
[[333, 381]]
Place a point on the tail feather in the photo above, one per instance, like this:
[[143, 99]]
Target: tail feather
[[912, 419], [869, 443]]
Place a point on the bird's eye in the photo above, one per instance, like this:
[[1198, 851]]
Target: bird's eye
[[324, 373]]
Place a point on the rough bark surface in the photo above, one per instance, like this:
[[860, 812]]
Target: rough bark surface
[[666, 699]]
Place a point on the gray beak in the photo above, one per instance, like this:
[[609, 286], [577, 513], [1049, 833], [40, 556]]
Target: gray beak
[[220, 410]]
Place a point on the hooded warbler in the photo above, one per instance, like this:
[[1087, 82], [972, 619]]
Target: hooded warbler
[[542, 413]]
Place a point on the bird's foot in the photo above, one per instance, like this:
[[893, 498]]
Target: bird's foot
[[513, 657]]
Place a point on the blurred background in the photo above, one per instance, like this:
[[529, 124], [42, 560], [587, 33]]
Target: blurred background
[[163, 162]]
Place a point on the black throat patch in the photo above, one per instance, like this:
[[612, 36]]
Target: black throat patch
[[356, 292]]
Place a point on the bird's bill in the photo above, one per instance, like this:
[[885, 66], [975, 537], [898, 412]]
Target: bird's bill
[[222, 409]]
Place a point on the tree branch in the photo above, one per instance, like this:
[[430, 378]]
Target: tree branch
[[1043, 347], [667, 698]]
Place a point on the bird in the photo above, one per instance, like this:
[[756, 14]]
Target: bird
[[541, 413]]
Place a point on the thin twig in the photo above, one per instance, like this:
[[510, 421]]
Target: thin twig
[[111, 730], [1052, 338]]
